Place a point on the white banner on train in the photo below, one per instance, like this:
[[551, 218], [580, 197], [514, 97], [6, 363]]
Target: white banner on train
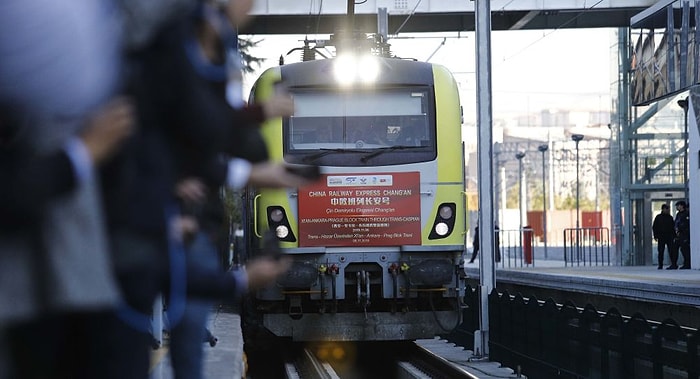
[[359, 180]]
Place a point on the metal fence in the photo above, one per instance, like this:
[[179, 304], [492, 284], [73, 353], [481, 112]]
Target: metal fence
[[587, 246], [515, 247], [549, 340]]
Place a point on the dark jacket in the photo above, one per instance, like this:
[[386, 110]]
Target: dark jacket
[[682, 225], [184, 126], [663, 227], [30, 181], [30, 184], [182, 122]]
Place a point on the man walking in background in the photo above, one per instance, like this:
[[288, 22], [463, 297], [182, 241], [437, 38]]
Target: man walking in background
[[475, 244]]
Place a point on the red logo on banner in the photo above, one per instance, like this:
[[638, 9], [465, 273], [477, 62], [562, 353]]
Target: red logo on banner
[[361, 209]]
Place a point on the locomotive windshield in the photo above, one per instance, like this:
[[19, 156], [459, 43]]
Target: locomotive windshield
[[389, 126]]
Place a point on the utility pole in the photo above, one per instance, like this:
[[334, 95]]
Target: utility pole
[[577, 138], [543, 149], [522, 192], [487, 273], [521, 187]]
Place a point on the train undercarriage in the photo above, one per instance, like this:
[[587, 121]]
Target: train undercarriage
[[385, 296]]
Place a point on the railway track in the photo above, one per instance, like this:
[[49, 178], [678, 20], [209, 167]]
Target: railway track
[[424, 363], [376, 360], [307, 366]]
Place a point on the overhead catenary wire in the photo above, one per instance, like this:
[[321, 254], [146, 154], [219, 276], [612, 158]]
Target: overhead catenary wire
[[407, 18], [503, 8], [318, 16], [565, 23], [436, 50]]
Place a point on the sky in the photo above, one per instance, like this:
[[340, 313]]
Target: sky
[[532, 70]]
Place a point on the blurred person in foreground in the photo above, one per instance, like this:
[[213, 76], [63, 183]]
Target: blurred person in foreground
[[40, 182], [181, 122], [60, 65], [210, 43]]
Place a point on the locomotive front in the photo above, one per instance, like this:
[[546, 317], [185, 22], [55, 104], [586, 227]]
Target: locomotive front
[[377, 241]]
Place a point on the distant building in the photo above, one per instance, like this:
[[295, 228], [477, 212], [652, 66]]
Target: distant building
[[554, 128]]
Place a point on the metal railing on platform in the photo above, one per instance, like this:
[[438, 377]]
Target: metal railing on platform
[[587, 246], [561, 340], [554, 340], [515, 247]]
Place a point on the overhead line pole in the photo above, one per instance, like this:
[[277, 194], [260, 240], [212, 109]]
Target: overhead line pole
[[487, 272], [543, 149], [351, 16]]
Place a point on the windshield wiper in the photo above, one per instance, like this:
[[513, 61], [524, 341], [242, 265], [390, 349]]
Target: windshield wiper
[[383, 150], [324, 152]]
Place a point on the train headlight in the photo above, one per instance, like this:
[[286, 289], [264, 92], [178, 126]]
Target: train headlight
[[278, 222], [368, 69], [276, 215], [349, 69], [444, 223], [441, 229], [345, 69], [282, 232], [446, 212]]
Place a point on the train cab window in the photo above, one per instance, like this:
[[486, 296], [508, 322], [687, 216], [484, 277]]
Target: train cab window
[[395, 125]]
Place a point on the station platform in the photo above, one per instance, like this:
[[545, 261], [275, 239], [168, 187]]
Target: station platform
[[645, 283], [220, 360], [655, 294]]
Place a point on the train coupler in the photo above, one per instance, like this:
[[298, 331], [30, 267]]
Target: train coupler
[[363, 289]]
